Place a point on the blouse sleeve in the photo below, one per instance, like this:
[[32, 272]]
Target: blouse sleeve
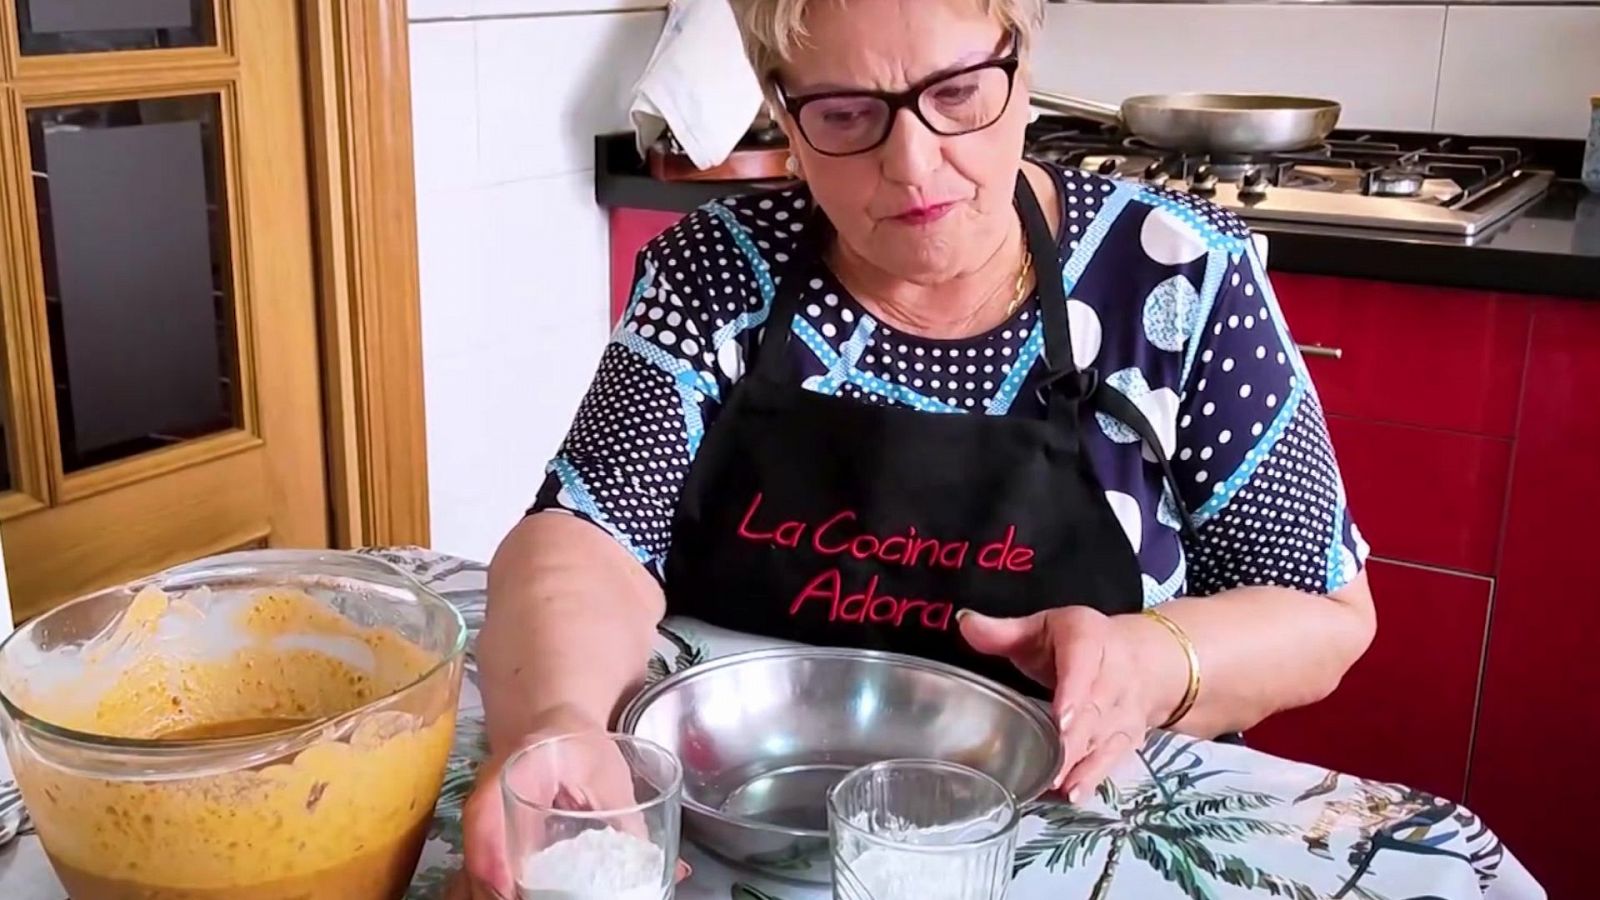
[[678, 348], [1254, 461]]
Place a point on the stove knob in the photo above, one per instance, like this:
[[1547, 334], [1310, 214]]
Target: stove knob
[[1204, 182], [1109, 167], [1155, 173], [1254, 185]]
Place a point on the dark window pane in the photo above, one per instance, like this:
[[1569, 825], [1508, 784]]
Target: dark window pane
[[133, 228], [92, 26], [6, 431]]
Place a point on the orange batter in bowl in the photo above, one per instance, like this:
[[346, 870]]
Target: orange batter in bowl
[[306, 753]]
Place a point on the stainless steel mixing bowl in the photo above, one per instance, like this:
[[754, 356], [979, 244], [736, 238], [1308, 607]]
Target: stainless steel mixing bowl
[[763, 736]]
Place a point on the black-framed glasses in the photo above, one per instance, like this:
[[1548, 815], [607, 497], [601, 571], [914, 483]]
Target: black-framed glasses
[[845, 123]]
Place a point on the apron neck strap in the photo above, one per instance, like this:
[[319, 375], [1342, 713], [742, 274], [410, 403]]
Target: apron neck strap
[[1047, 272], [1061, 387], [1066, 386], [804, 258]]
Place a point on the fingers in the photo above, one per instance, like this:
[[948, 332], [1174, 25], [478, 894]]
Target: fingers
[[999, 637], [486, 862], [598, 782], [462, 887], [591, 777], [485, 892], [1076, 738], [1063, 649], [1101, 727], [1097, 765], [611, 787], [483, 825], [1079, 656]]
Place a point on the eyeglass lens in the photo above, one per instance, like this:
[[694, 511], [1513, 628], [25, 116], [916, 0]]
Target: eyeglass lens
[[852, 123]]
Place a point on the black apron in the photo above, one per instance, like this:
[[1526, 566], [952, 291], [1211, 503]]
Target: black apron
[[833, 522]]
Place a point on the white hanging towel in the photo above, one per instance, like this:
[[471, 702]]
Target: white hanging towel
[[698, 83]]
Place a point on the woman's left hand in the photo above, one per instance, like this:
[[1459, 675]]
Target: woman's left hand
[[1100, 702]]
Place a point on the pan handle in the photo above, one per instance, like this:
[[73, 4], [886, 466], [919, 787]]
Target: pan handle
[[1106, 113]]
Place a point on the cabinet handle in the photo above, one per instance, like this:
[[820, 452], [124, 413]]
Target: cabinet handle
[[1319, 350]]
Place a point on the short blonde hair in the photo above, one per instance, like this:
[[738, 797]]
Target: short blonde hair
[[774, 29]]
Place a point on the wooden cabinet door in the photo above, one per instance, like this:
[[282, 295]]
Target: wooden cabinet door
[[1540, 720], [1404, 711], [162, 397]]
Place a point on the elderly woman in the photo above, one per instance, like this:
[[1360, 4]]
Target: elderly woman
[[942, 400]]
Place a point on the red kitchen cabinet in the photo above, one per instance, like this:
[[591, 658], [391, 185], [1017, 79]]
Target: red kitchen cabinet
[[631, 229], [1437, 358], [1432, 497], [1404, 712], [1533, 777], [1422, 404]]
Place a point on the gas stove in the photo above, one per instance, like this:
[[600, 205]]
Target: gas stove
[[1400, 181]]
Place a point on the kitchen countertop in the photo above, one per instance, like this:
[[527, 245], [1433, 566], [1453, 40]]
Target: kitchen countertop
[[1551, 248]]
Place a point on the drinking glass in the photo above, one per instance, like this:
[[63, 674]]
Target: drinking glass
[[593, 816], [921, 830]]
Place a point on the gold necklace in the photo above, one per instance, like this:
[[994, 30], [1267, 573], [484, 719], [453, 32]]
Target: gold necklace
[[1021, 292]]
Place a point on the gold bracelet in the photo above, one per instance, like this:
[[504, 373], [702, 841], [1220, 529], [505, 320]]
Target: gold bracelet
[[1192, 692]]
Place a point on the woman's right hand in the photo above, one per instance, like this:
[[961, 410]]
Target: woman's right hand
[[600, 782], [487, 874]]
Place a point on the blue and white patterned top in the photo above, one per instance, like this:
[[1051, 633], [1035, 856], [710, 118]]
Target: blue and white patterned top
[[1168, 299]]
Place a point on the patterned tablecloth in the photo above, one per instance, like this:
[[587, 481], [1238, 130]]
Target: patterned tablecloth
[[1184, 819]]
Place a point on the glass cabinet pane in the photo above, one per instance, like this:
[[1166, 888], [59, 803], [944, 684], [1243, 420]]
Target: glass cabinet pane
[[133, 229], [7, 435], [91, 26]]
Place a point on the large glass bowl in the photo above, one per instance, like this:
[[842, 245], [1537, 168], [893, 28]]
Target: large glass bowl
[[257, 726]]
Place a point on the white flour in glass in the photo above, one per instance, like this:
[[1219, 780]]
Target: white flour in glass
[[890, 873], [599, 864]]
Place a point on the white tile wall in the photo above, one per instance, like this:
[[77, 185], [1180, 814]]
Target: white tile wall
[[1379, 61], [545, 7], [438, 9], [513, 248], [427, 10], [512, 327], [1519, 70], [444, 104], [550, 84]]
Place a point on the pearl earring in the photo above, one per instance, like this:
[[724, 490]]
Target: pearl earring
[[792, 166]]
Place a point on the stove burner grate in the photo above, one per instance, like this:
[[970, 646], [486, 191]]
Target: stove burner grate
[[1412, 182]]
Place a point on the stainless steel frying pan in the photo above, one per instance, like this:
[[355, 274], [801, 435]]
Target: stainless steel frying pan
[[1209, 123]]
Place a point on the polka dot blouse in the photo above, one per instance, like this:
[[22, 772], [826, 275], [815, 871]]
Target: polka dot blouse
[[1168, 301]]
